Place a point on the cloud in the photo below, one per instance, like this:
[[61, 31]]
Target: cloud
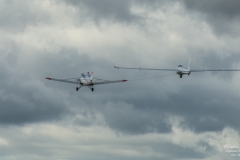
[[49, 140], [24, 100], [222, 15], [124, 118], [114, 10], [62, 52], [16, 15], [162, 118]]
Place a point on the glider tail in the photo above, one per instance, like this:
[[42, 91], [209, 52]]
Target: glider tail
[[91, 75], [189, 63]]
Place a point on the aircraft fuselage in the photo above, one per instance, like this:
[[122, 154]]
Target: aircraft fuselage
[[85, 82], [181, 70]]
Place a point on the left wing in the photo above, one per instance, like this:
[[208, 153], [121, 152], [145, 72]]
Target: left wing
[[63, 80]]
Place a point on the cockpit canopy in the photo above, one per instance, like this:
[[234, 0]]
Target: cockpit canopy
[[87, 75], [180, 66]]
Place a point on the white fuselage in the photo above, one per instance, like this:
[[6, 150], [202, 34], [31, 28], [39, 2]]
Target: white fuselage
[[182, 70], [86, 79]]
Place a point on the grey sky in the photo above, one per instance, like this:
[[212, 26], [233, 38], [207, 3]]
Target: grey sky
[[164, 118]]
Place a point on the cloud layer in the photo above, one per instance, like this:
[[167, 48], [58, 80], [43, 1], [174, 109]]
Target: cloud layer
[[162, 118]]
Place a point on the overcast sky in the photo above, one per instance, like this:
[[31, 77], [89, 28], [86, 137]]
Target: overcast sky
[[166, 118]]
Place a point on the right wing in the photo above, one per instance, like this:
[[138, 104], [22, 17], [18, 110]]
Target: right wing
[[147, 69], [192, 70], [202, 70], [107, 82]]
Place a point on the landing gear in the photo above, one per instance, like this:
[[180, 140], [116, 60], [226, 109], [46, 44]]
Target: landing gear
[[180, 76], [77, 88], [91, 87]]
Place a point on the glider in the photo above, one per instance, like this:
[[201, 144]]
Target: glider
[[181, 70], [86, 79]]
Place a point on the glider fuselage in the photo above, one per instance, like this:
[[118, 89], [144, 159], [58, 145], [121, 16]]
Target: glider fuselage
[[181, 70]]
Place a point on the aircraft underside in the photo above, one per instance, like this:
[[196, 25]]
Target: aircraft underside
[[182, 73], [89, 86]]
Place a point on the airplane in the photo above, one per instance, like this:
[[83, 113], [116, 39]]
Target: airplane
[[86, 79], [181, 70]]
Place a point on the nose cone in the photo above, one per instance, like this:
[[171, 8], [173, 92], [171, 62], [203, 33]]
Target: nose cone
[[179, 69]]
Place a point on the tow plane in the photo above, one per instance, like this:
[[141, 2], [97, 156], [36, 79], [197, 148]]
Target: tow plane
[[86, 79], [181, 70]]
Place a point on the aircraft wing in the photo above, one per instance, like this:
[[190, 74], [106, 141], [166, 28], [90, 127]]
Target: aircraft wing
[[192, 70], [107, 82], [202, 70], [147, 69], [62, 80], [93, 83]]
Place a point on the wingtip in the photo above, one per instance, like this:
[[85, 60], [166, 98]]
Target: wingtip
[[116, 67], [48, 78], [124, 80]]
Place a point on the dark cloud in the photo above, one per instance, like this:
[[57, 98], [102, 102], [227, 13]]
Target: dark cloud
[[220, 14], [114, 10], [226, 9], [24, 98], [23, 101], [14, 111], [223, 16], [203, 109], [123, 118]]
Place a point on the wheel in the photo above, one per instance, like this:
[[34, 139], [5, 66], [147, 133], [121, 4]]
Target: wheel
[[92, 89], [181, 76], [77, 89]]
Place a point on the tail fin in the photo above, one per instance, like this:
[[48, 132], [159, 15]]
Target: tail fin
[[189, 63], [87, 75], [91, 75]]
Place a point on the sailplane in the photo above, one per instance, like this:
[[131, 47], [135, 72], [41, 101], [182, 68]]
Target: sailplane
[[180, 70]]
